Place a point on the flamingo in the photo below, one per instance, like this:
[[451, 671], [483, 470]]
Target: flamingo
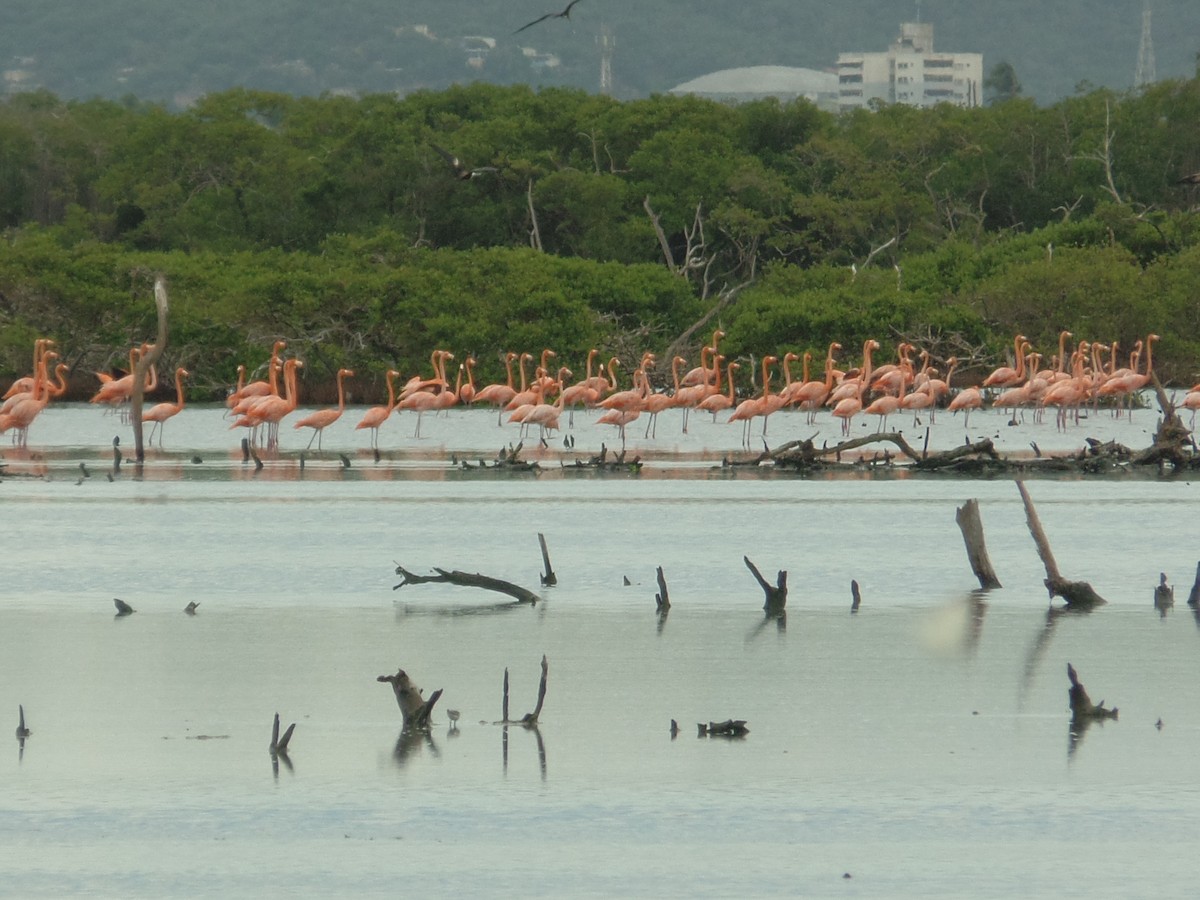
[[160, 412], [421, 401], [24, 384], [967, 399], [23, 412], [270, 411], [53, 390], [545, 415], [715, 403], [810, 395], [1129, 385], [417, 383], [258, 388], [657, 402], [120, 389], [499, 394], [466, 393], [754, 406], [588, 391], [700, 374], [377, 415], [1006, 376], [525, 394], [887, 404], [321, 419], [849, 407], [849, 386], [922, 396]]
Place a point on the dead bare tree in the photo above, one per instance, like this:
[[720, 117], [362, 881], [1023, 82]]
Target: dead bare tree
[[1104, 155], [145, 361], [535, 235]]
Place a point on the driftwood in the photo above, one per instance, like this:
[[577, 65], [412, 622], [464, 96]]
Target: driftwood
[[1078, 594], [967, 517], [728, 728], [529, 720], [548, 578], [1082, 706], [601, 462], [506, 461], [775, 594], [466, 579], [415, 709]]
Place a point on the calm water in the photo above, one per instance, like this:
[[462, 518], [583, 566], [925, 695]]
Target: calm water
[[921, 745]]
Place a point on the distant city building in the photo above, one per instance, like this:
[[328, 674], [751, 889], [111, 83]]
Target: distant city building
[[909, 72], [757, 82]]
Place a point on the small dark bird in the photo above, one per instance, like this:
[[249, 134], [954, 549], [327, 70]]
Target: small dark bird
[[190, 609], [123, 608], [460, 170], [22, 731], [565, 14], [196, 460], [84, 469], [1194, 178]]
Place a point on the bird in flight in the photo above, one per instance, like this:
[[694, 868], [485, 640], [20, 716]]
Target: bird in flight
[[456, 165], [565, 14]]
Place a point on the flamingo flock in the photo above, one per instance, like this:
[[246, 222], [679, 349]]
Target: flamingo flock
[[1087, 374]]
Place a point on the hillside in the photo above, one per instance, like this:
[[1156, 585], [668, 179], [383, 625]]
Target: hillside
[[173, 53]]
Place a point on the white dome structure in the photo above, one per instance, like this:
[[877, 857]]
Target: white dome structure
[[757, 82]]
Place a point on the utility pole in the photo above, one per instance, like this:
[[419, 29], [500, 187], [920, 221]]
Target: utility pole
[[1144, 75]]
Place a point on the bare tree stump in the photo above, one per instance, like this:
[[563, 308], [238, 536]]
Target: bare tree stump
[[971, 526], [548, 579], [1078, 594], [415, 709], [145, 361], [529, 720], [1194, 596], [1164, 595], [662, 602], [1082, 706], [856, 597], [775, 594]]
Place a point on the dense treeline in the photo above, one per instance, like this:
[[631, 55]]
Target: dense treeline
[[336, 223]]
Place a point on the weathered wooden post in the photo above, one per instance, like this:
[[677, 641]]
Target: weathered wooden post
[[145, 361], [971, 526]]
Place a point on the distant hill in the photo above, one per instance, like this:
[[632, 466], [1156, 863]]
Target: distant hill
[[173, 53]]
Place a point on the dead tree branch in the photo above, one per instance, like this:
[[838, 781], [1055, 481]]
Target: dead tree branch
[[466, 579]]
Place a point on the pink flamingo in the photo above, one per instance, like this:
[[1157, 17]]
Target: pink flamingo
[[321, 419], [258, 388], [657, 402], [1006, 376], [377, 415], [24, 384], [270, 411], [497, 394], [23, 412], [811, 395], [715, 403], [754, 406], [967, 399], [160, 412], [702, 375]]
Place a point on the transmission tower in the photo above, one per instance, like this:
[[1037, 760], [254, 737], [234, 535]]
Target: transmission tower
[[607, 43], [1144, 75]]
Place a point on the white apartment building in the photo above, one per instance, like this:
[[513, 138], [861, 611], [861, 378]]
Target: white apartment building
[[909, 72]]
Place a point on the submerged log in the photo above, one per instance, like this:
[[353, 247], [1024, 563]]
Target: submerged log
[[1082, 706], [728, 728], [466, 579], [775, 594], [415, 709], [1078, 594], [123, 608], [971, 526]]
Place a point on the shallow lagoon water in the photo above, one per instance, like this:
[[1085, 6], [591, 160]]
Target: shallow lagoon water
[[921, 745]]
